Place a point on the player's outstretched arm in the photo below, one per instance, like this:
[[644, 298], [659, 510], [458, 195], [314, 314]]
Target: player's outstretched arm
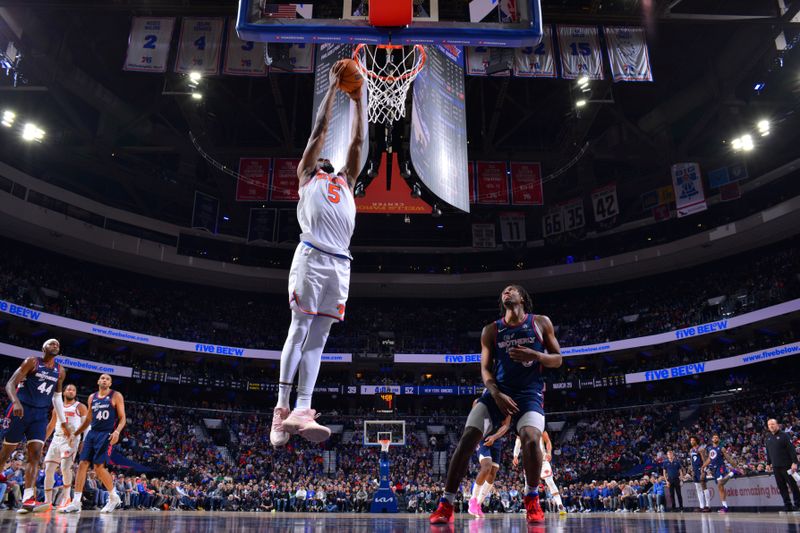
[[317, 139], [353, 167], [121, 418], [16, 378]]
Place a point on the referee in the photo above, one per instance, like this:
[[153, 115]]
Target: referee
[[782, 456], [672, 472]]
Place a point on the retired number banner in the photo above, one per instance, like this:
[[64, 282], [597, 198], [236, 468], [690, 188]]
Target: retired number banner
[[243, 58], [537, 61], [200, 45], [627, 53], [604, 202], [148, 44], [580, 52], [689, 195], [478, 61]]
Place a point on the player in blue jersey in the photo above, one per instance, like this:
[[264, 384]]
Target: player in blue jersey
[[698, 455], [514, 352], [489, 452], [715, 461], [107, 418], [33, 388]]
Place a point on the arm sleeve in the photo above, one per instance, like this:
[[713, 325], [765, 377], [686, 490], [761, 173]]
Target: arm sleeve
[[58, 406], [517, 448]]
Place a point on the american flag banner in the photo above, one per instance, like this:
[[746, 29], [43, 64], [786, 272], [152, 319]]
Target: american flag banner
[[279, 11]]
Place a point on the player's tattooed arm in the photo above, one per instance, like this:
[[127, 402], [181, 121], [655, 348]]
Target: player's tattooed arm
[[16, 378]]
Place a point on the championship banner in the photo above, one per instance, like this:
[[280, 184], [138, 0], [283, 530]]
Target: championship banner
[[580, 52], [539, 61], [284, 180], [243, 58], [200, 45], [688, 185], [205, 212], [148, 44], [492, 183], [253, 181], [301, 57], [478, 61], [604, 202], [627, 54], [261, 224], [471, 178], [526, 184]]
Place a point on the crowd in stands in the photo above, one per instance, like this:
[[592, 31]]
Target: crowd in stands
[[133, 302], [612, 462]]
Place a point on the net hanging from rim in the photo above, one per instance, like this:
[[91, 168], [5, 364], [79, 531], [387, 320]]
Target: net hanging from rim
[[389, 71]]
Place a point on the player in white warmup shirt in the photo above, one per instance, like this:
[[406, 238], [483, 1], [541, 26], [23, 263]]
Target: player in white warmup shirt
[[547, 469], [319, 279], [62, 449]]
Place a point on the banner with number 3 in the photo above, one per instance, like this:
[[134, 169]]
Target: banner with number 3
[[243, 58], [148, 44], [200, 45]]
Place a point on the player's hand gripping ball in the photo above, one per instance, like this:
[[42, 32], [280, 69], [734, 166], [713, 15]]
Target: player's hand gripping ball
[[349, 77]]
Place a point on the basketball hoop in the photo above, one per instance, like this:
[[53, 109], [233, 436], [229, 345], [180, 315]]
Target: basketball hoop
[[389, 70], [385, 444]]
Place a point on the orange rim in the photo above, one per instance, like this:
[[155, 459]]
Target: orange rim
[[411, 73]]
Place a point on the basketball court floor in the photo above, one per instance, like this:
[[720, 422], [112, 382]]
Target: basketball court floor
[[228, 522]]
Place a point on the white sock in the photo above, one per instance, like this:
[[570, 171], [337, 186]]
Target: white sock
[[707, 494], [725, 504], [49, 481], [486, 490], [311, 359], [476, 489], [27, 494], [291, 355], [77, 497], [557, 498], [701, 496]]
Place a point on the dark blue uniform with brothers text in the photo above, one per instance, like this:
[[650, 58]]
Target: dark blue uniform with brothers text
[[36, 396], [717, 463], [96, 445], [521, 381], [697, 463]]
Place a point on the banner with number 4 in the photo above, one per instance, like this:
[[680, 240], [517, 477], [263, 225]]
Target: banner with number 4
[[200, 45], [148, 44]]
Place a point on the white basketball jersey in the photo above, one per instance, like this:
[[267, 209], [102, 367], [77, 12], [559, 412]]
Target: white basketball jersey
[[326, 212], [73, 419]]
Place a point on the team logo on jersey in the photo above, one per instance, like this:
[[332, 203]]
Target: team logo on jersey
[[713, 454], [340, 309]]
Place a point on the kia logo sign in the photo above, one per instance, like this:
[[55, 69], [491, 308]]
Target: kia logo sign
[[384, 500]]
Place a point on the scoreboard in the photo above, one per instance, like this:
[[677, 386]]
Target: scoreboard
[[384, 403]]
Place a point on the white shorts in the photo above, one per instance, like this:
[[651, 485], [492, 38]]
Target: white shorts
[[318, 283], [60, 450], [547, 469]]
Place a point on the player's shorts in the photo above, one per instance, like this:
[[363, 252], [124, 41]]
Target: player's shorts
[[547, 469], [697, 476], [319, 282], [721, 472], [32, 426], [530, 412], [60, 450], [493, 453], [96, 447]]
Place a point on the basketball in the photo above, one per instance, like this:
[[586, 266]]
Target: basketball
[[350, 79]]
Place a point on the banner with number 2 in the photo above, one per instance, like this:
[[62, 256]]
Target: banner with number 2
[[148, 44], [200, 45]]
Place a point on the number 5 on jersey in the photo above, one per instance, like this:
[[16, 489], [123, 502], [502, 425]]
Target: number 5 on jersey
[[333, 193]]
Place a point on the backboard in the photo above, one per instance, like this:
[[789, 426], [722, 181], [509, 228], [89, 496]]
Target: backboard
[[496, 23]]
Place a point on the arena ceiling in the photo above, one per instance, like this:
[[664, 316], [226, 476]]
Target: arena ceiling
[[117, 137]]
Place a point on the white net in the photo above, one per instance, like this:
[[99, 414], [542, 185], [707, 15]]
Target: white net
[[389, 71]]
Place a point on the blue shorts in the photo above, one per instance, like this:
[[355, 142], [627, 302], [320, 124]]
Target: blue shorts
[[697, 476], [525, 404], [493, 452], [721, 472], [96, 447], [32, 426]]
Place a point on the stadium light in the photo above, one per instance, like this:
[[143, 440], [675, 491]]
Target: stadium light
[[583, 81], [197, 96], [8, 118], [580, 103], [195, 76], [743, 143], [32, 132], [763, 127]]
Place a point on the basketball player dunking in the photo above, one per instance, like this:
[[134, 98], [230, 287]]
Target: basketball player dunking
[[514, 352], [107, 408], [33, 388], [698, 458], [319, 279], [62, 449], [547, 469]]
